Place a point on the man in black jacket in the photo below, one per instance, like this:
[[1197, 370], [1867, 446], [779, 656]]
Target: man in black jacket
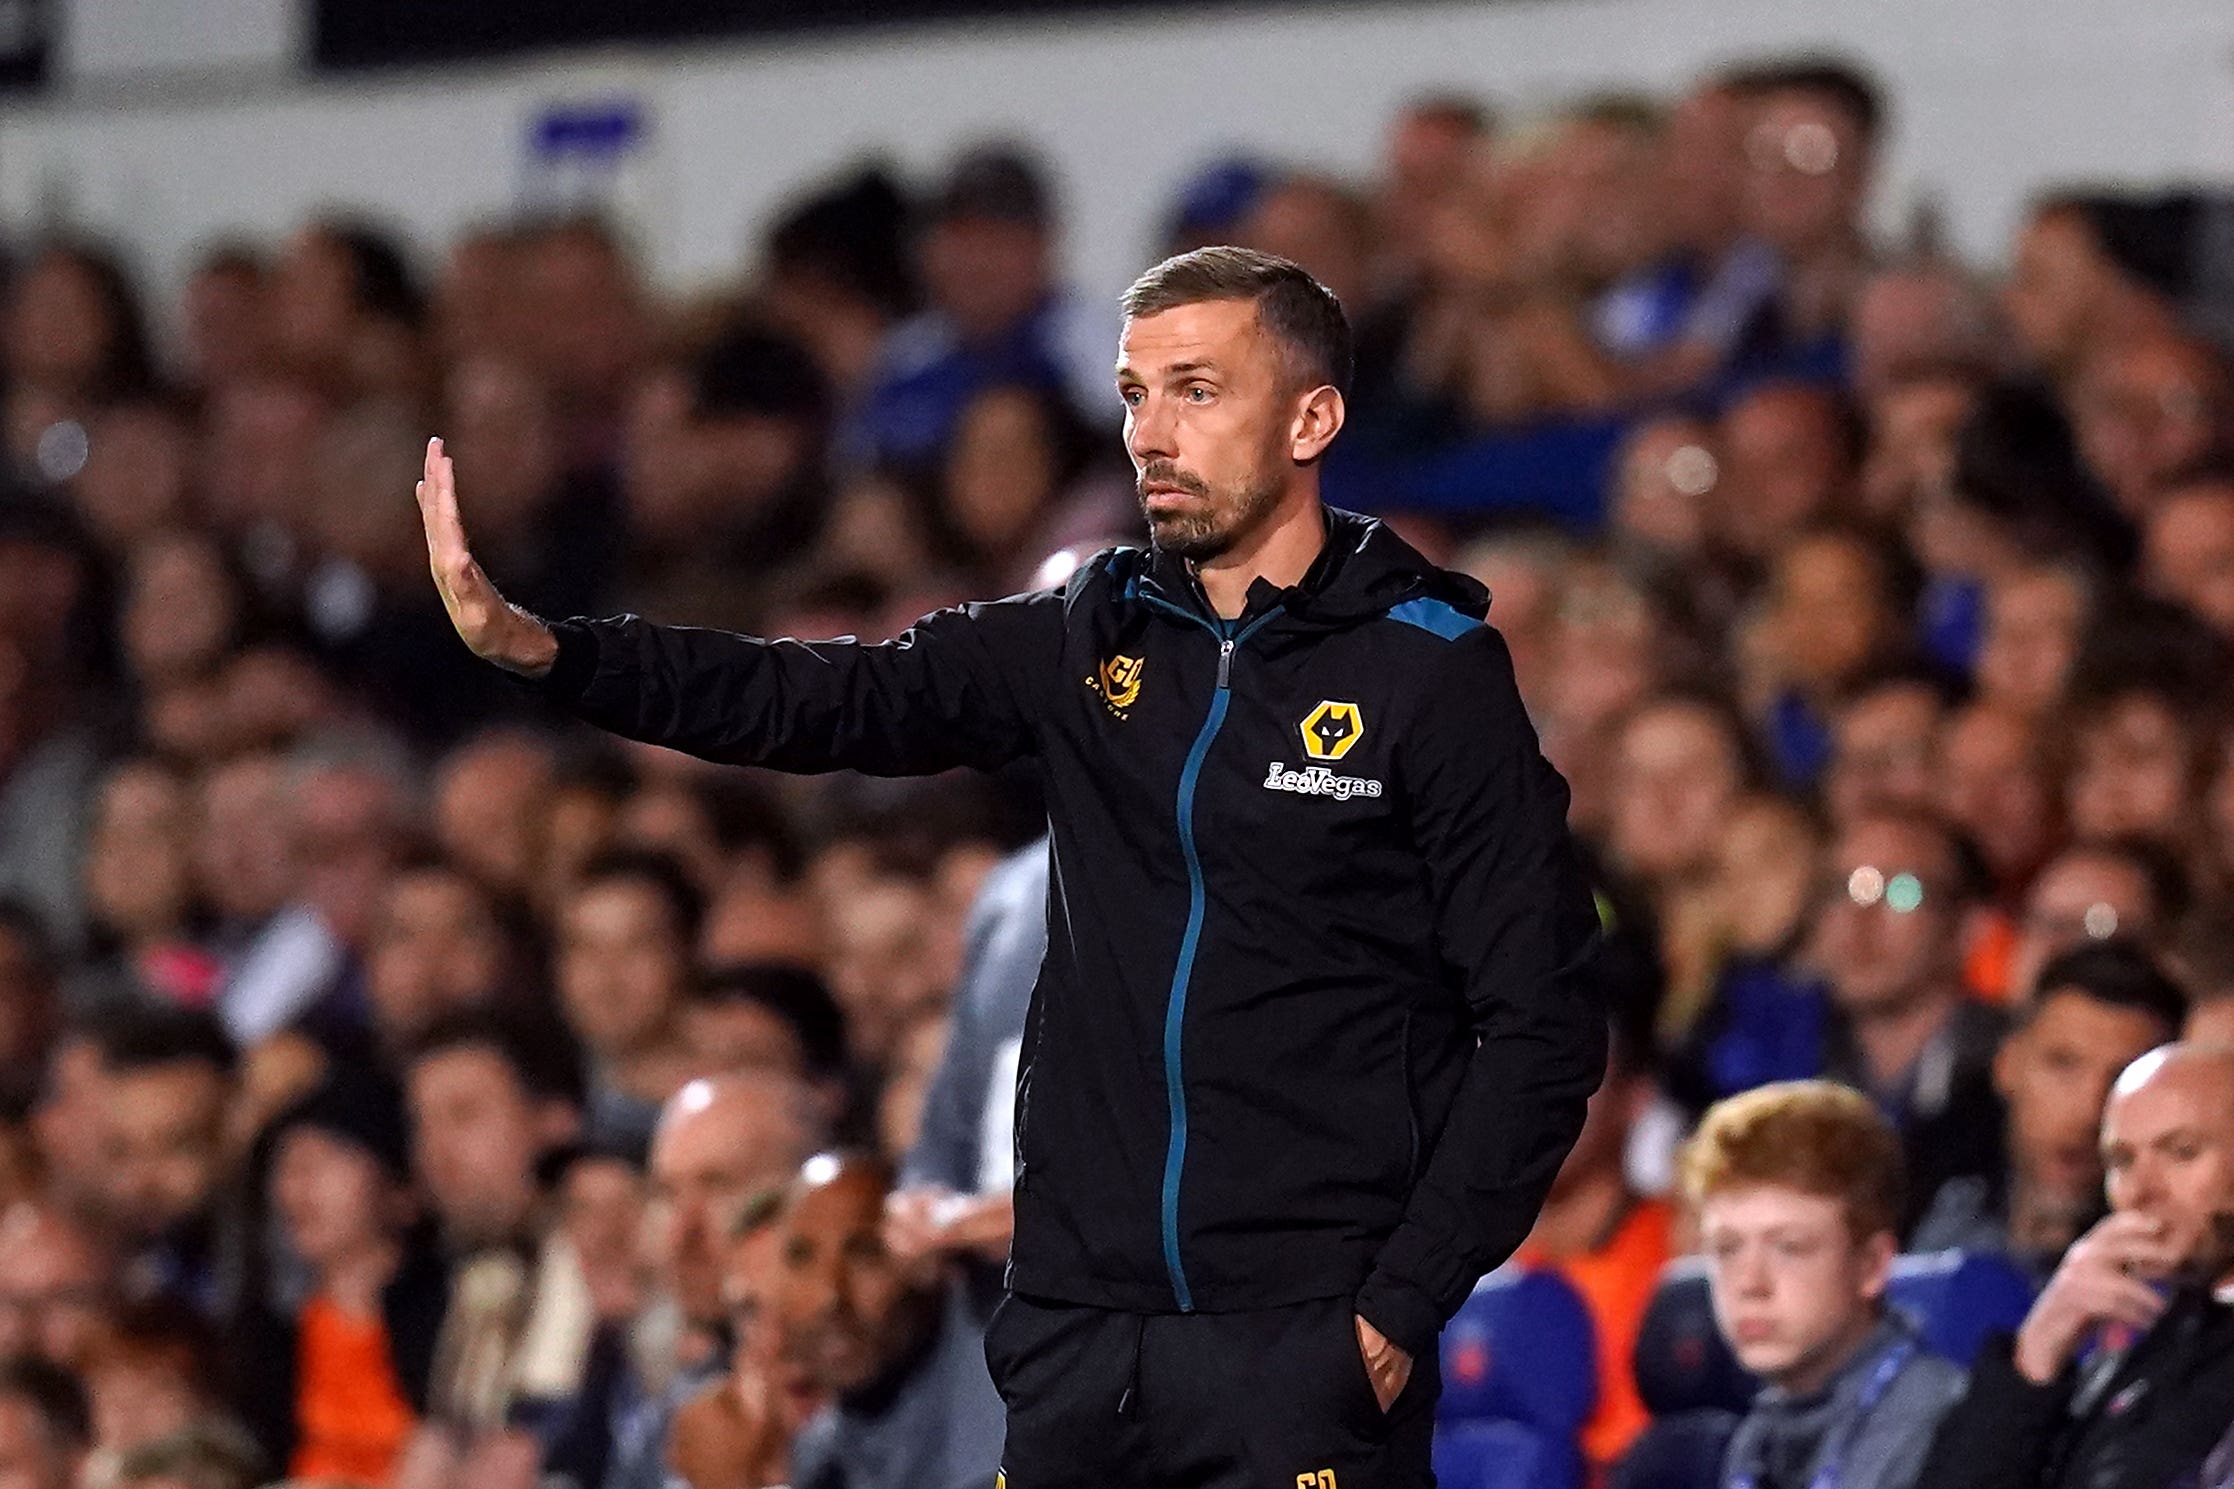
[[1306, 1050], [2122, 1376]]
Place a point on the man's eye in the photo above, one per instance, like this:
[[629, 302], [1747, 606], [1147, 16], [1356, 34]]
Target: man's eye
[[1198, 394]]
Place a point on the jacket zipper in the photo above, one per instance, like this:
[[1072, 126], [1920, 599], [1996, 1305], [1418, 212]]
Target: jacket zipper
[[1175, 1007]]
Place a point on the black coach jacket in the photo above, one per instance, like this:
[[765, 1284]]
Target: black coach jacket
[[1309, 1023]]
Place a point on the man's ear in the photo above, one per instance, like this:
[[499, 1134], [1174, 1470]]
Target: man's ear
[[1317, 421], [1877, 1263]]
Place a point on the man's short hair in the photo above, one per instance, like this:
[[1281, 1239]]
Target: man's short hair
[[2116, 972], [543, 1060], [1299, 312], [1817, 1137], [2159, 867], [1846, 86], [152, 1036], [659, 872], [55, 1395], [1972, 878], [795, 995]]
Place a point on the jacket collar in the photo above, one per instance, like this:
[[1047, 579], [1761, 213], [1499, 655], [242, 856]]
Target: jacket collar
[[1362, 570]]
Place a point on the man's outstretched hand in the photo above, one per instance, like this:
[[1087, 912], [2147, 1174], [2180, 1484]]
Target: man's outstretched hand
[[495, 629]]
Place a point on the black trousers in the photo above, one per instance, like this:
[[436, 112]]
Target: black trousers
[[1277, 1399]]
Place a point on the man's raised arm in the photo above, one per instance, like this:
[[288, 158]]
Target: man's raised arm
[[960, 688]]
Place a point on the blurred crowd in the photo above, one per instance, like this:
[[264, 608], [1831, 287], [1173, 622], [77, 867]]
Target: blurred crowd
[[398, 1087]]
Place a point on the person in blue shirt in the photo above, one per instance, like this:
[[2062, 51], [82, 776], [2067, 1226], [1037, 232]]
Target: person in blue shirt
[[996, 316]]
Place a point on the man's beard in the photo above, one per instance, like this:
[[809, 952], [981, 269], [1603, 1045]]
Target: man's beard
[[1211, 529]]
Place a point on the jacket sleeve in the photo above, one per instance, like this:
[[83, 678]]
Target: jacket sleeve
[[1513, 921], [960, 687], [2000, 1435]]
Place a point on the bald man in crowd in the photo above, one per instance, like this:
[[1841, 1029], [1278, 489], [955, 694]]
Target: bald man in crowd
[[719, 1143], [2122, 1376]]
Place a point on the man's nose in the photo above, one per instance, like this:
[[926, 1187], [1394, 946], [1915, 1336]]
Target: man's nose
[[2142, 1185], [1153, 431]]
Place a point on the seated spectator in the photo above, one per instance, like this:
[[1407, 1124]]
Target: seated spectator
[[441, 944], [2096, 1010], [2145, 408], [742, 488], [490, 1097], [2077, 282], [1835, 608], [1797, 1188], [599, 1204], [68, 1131], [1810, 155], [2122, 1375], [58, 1286], [1664, 482], [166, 1080], [1019, 481], [1789, 451], [910, 1404], [350, 800], [775, 1018], [1608, 1241], [492, 798], [2187, 545], [2092, 892], [155, 1373], [623, 968], [2140, 756], [1916, 316], [1888, 942], [1881, 746], [2034, 619], [736, 1433], [720, 1143], [46, 1427], [143, 922], [1679, 767], [1764, 1014], [1993, 784], [996, 313], [338, 1386]]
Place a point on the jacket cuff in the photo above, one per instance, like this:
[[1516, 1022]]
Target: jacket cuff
[[1406, 1315], [570, 675]]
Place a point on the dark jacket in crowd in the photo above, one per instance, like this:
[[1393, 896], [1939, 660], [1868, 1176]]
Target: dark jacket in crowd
[[2140, 1418], [1307, 1027]]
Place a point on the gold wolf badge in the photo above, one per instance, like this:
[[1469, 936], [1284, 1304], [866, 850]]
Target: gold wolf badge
[[1332, 729], [1118, 682]]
